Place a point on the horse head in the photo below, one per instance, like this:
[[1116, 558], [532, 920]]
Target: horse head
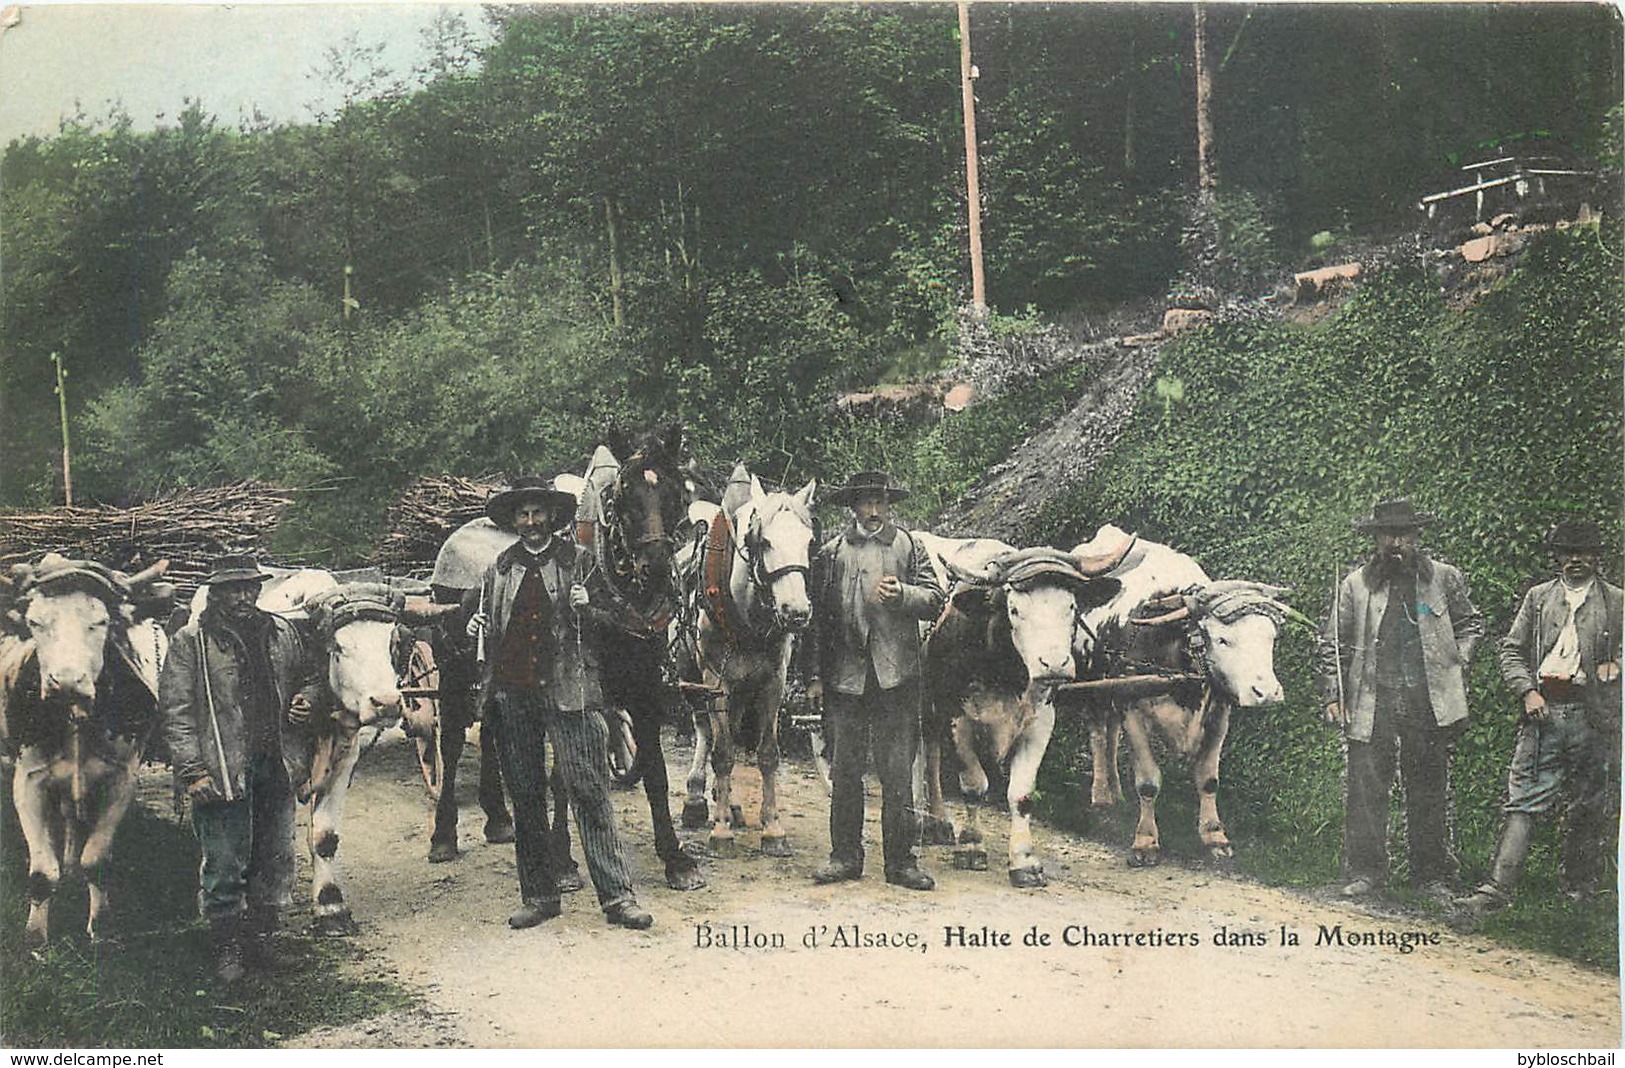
[[645, 504], [777, 540]]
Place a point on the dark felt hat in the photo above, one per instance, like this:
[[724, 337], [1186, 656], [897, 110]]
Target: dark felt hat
[[502, 505], [866, 482], [1575, 535], [235, 568], [1394, 515]]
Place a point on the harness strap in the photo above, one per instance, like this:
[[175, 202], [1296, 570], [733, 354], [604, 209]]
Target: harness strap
[[628, 616], [719, 602]]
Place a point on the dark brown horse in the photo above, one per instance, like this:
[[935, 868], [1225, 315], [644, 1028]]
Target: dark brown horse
[[632, 514]]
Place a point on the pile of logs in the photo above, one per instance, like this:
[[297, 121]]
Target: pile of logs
[[430, 509], [189, 528]]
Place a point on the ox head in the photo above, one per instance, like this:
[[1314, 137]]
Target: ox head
[[356, 624], [777, 533], [1038, 597], [1237, 622], [69, 609]]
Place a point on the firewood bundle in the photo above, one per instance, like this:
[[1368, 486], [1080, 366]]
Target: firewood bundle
[[189, 528], [430, 509]]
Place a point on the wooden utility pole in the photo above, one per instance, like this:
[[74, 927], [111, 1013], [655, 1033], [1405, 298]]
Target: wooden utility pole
[[62, 414], [973, 185]]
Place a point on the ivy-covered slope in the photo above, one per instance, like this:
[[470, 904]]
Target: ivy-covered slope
[[1501, 418]]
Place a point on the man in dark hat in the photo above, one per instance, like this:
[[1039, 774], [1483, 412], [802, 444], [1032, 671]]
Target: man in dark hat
[[234, 677], [1393, 658], [873, 584], [541, 682], [1561, 659]]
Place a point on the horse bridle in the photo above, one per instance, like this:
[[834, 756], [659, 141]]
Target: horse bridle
[[762, 577]]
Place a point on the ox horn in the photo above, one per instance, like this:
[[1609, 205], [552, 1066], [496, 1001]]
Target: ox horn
[[1182, 612], [991, 574], [422, 610], [1214, 590], [146, 575]]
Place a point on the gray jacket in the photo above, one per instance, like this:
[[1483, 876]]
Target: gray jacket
[[1534, 631], [853, 630], [217, 745], [573, 677], [1450, 627]]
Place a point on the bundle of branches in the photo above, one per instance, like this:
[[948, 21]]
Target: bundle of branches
[[189, 528], [427, 513]]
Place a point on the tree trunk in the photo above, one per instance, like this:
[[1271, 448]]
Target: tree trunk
[[616, 278], [1205, 180]]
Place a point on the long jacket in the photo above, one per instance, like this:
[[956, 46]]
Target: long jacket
[[855, 631], [1450, 627], [1535, 629], [572, 679], [217, 744]]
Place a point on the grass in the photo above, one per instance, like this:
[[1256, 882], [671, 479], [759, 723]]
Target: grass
[[148, 989]]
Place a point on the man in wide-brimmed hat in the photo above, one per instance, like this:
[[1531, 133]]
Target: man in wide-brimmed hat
[[541, 681], [218, 695], [872, 586], [1561, 658], [1392, 671]]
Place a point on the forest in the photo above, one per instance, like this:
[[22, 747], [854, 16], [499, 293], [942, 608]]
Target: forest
[[722, 214], [730, 215]]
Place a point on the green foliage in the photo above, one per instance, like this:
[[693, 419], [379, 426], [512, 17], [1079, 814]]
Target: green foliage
[[1502, 418], [148, 988]]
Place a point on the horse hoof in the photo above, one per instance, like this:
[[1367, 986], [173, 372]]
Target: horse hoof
[[970, 859], [334, 925], [722, 846], [1144, 858], [1027, 878], [695, 814], [684, 877], [441, 852], [937, 832], [776, 846], [736, 817]]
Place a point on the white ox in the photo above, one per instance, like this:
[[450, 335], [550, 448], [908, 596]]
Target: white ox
[[992, 662], [78, 705], [353, 626], [1215, 644]]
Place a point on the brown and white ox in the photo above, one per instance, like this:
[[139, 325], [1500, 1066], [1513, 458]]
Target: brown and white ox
[[79, 663], [992, 662], [753, 575], [1214, 645], [350, 630]]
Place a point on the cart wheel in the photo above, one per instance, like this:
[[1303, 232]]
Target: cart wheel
[[420, 713], [623, 750]]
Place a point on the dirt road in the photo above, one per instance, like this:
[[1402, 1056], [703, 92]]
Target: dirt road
[[577, 981]]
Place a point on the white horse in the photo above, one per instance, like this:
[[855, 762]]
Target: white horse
[[754, 595]]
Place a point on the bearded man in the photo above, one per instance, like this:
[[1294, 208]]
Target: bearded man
[[1561, 660], [1392, 667]]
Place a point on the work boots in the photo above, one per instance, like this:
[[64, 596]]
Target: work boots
[[226, 949], [1496, 893]]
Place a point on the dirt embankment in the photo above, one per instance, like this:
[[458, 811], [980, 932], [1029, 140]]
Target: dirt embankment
[[761, 956]]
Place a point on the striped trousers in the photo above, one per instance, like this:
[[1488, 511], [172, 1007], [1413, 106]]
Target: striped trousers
[[523, 721]]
